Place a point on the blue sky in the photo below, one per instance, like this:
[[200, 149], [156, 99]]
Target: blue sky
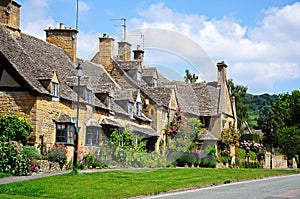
[[259, 40]]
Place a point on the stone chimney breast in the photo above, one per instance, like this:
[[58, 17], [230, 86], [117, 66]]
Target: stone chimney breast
[[222, 76], [63, 37]]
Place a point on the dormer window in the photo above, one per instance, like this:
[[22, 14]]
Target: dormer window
[[130, 109], [139, 78], [110, 103], [54, 89], [89, 96], [139, 108], [154, 82]]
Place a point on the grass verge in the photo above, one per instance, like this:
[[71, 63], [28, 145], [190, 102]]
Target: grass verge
[[129, 183]]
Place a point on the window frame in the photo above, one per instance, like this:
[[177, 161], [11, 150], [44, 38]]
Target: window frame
[[54, 89], [130, 109], [110, 103], [138, 108], [66, 134], [163, 115], [92, 134], [89, 96]]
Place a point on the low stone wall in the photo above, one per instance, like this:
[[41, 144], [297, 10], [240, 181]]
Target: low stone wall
[[278, 162], [45, 166]]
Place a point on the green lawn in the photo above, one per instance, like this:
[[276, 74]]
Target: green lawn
[[128, 183]]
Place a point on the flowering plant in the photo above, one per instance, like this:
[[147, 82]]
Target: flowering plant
[[250, 145], [175, 124]]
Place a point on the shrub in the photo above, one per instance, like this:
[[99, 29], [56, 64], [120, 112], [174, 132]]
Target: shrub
[[186, 158], [14, 159], [31, 152], [224, 159], [208, 161], [58, 153], [13, 128]]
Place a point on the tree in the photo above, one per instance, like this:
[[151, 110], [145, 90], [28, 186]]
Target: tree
[[239, 92], [282, 125], [190, 77]]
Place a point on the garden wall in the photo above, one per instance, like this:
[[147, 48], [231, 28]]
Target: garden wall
[[278, 162]]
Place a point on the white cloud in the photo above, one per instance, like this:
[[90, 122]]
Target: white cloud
[[36, 19], [257, 56], [83, 7]]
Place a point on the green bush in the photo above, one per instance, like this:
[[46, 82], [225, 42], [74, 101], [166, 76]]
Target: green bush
[[186, 158], [14, 159], [208, 161], [13, 128], [31, 152], [224, 159], [58, 153]]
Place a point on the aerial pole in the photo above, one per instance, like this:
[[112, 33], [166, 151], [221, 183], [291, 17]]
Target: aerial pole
[[123, 25], [76, 15]]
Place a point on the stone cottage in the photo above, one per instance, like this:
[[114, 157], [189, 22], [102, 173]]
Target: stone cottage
[[39, 81]]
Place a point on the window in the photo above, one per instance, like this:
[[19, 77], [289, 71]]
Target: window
[[139, 108], [163, 114], [92, 135], [130, 109], [154, 82], [89, 96], [65, 133], [139, 78], [110, 103], [55, 89]]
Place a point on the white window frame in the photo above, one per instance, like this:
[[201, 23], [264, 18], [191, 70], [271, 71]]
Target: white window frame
[[130, 109], [138, 108], [54, 91], [89, 96]]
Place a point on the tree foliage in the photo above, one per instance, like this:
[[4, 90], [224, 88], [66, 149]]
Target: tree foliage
[[239, 92], [190, 77], [124, 139], [282, 125], [13, 128]]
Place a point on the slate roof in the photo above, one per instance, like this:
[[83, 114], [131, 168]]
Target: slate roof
[[109, 121], [208, 95], [98, 77], [160, 95], [150, 71], [64, 118], [124, 95], [142, 130], [186, 97], [34, 59], [129, 65]]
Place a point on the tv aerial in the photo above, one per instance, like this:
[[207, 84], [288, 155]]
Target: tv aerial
[[123, 25], [142, 37]]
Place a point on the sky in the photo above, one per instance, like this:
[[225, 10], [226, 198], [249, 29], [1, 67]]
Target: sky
[[258, 39]]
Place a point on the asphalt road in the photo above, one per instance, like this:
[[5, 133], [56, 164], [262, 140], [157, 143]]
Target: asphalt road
[[270, 188]]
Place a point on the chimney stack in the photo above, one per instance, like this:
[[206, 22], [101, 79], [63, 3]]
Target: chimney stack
[[138, 54], [10, 15], [222, 76], [124, 50], [63, 37], [106, 52]]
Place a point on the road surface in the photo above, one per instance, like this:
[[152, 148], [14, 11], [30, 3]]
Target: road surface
[[270, 188]]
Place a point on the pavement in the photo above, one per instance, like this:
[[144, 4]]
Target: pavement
[[11, 179]]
